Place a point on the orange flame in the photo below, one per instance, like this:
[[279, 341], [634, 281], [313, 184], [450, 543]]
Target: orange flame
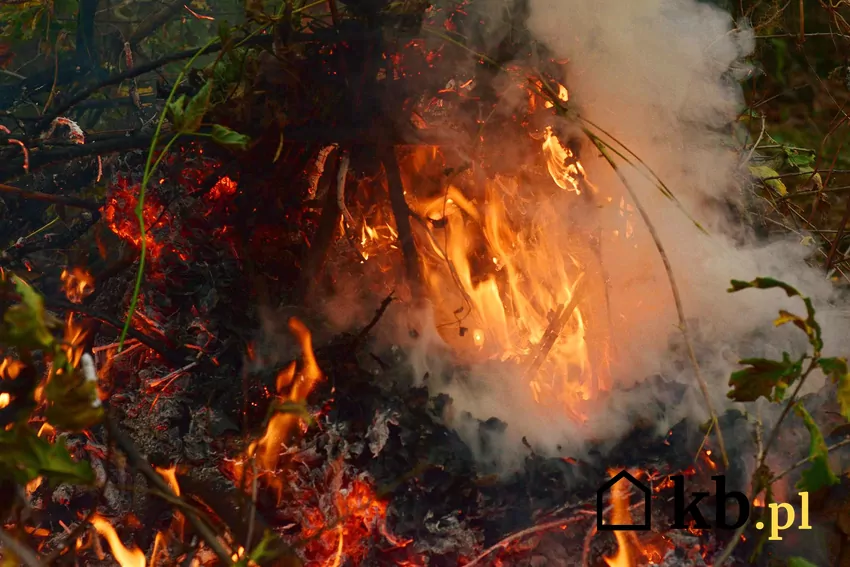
[[78, 284], [293, 387], [170, 476], [124, 556], [626, 541], [492, 264]]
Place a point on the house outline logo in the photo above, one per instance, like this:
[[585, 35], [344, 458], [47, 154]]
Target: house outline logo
[[602, 526]]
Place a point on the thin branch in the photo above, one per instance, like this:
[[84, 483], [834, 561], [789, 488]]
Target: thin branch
[[139, 70], [378, 314], [683, 324], [137, 461], [178, 358], [25, 554], [802, 462], [47, 198], [517, 536]]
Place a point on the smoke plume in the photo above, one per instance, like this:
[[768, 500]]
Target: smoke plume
[[662, 76]]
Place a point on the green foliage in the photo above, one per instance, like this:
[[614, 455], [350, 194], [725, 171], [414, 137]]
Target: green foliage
[[71, 400], [187, 117], [765, 378], [229, 138], [770, 178], [25, 323], [772, 378], [818, 474], [800, 562], [24, 456], [809, 325]]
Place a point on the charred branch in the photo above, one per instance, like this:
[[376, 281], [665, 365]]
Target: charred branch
[[53, 199], [401, 213]]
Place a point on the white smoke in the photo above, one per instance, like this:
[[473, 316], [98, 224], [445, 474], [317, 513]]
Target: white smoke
[[661, 76]]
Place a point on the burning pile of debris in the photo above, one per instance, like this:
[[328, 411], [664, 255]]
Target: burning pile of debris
[[259, 403]]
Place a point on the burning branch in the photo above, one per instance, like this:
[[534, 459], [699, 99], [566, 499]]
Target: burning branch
[[401, 212], [559, 321], [683, 324]]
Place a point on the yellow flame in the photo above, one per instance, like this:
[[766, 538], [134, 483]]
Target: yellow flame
[[499, 271], [563, 95], [563, 166], [78, 284], [627, 547], [124, 556]]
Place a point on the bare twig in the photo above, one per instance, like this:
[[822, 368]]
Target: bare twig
[[802, 462], [47, 198], [517, 536], [683, 324], [378, 314]]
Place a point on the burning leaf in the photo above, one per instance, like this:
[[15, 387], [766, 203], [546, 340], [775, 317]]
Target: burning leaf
[[837, 370], [25, 456], [770, 178], [27, 322], [228, 138], [763, 377], [819, 474], [811, 327]]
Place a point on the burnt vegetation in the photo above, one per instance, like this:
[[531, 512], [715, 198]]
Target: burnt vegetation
[[182, 186]]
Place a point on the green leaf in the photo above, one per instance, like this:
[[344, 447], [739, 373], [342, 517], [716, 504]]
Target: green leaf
[[26, 323], [25, 456], [769, 177], [195, 109], [175, 111], [229, 138], [798, 159], [818, 474], [837, 370], [800, 562], [763, 377], [809, 325]]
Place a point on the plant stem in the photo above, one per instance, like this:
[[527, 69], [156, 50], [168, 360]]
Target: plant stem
[[150, 166], [683, 324]]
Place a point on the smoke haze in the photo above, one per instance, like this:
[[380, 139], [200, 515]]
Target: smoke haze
[[662, 77]]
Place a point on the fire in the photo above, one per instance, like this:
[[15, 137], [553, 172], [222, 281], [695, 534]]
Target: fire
[[626, 542], [563, 96], [494, 265], [293, 387], [344, 532], [282, 424], [170, 476], [75, 336], [124, 556], [566, 170], [78, 284]]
